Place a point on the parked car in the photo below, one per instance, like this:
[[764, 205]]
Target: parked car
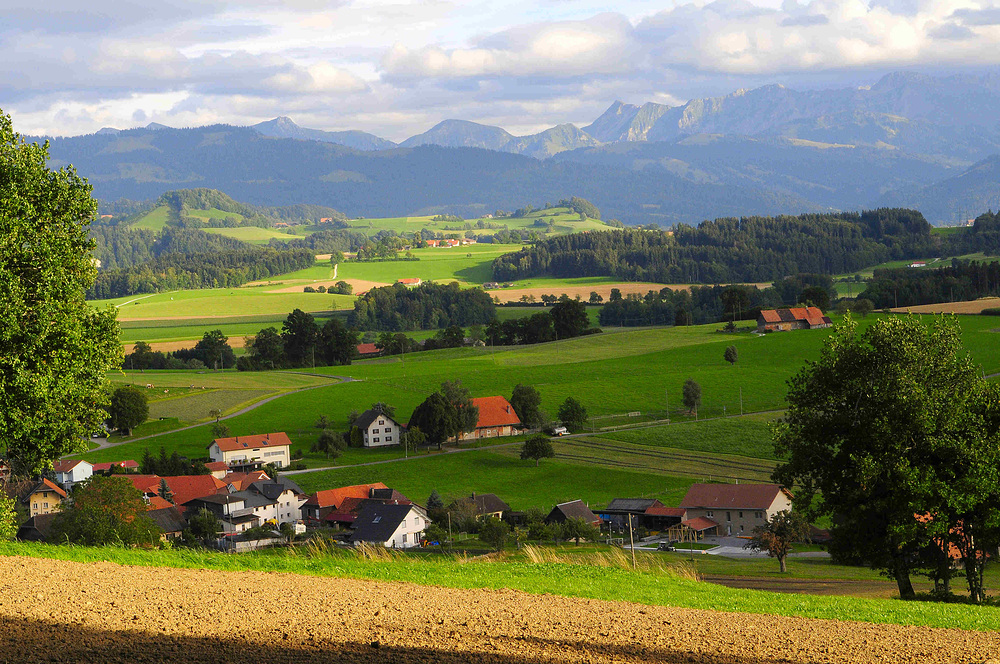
[[665, 546]]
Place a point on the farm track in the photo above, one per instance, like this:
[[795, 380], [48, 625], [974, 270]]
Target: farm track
[[137, 614], [760, 470]]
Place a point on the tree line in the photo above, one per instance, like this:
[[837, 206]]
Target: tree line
[[726, 250], [428, 306], [961, 280], [219, 269]]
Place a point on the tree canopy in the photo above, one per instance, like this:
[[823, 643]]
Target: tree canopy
[[537, 447], [106, 510], [55, 350], [128, 409]]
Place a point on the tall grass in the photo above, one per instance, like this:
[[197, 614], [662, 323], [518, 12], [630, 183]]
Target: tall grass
[[613, 557]]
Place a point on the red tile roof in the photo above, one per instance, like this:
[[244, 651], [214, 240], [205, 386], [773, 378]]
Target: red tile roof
[[258, 441], [243, 481], [699, 523], [731, 496], [495, 412], [145, 483], [368, 349], [335, 497], [128, 464], [408, 281], [189, 487], [217, 465], [48, 485], [812, 315], [157, 503], [665, 511]]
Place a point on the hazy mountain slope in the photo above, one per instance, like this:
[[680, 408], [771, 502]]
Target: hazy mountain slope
[[956, 199], [461, 134], [845, 178], [283, 127], [551, 141], [140, 164]]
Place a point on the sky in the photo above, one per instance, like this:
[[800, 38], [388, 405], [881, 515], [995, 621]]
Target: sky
[[397, 68]]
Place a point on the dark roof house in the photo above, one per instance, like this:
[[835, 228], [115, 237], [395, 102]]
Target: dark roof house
[[575, 509]]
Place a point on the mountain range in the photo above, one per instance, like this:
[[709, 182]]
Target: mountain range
[[896, 142]]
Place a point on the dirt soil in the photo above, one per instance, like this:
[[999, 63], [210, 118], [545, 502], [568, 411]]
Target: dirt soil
[[54, 611]]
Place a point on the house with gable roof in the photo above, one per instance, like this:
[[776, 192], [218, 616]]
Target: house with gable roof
[[733, 509], [239, 450], [71, 471], [574, 509], [794, 318], [44, 497], [378, 429], [393, 526], [319, 505], [496, 418]]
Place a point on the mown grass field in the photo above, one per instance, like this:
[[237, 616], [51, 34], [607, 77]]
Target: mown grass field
[[219, 302], [564, 221], [254, 234], [153, 220], [658, 587]]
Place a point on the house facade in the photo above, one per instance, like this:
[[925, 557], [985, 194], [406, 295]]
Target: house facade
[[795, 318], [392, 526], [45, 497], [735, 509], [378, 429], [70, 472], [575, 509], [318, 505], [264, 448], [496, 418]]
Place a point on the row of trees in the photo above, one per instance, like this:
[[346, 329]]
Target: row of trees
[[301, 342], [727, 250], [428, 306], [219, 269], [212, 350], [961, 280]]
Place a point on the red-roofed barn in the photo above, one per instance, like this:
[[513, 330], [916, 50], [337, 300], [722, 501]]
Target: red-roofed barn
[[496, 418], [796, 318]]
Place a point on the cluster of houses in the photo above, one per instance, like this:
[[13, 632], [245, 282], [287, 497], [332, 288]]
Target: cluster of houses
[[451, 242]]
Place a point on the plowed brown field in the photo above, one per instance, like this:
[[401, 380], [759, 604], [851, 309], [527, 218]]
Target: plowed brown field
[[53, 611]]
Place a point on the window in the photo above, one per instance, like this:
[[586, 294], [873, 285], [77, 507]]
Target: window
[[388, 438], [376, 519], [374, 440], [45, 505], [403, 524], [741, 515], [34, 506], [729, 516], [381, 422], [404, 538], [757, 515], [709, 513]]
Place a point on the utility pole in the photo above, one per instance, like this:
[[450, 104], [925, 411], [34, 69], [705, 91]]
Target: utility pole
[[631, 540]]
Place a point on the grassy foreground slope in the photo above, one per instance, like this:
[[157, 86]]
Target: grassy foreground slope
[[660, 586]]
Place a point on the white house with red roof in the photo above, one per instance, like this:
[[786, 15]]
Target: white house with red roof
[[733, 509], [496, 418], [71, 471], [267, 448], [410, 282]]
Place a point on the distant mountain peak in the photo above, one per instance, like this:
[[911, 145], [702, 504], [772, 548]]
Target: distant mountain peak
[[156, 126], [105, 131], [284, 127]]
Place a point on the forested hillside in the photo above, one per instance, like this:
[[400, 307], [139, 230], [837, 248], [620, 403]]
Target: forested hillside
[[748, 249]]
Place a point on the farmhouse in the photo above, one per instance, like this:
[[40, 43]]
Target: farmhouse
[[410, 283], [620, 511], [488, 504], [266, 448], [347, 512], [734, 509], [796, 318], [368, 350], [378, 429], [496, 418], [396, 526]]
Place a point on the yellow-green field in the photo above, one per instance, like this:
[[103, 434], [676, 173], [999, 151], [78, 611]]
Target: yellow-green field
[[254, 234], [153, 220], [220, 302]]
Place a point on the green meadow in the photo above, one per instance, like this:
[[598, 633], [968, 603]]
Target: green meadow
[[218, 302], [153, 220], [253, 234]]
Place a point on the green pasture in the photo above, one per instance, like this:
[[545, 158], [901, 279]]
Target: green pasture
[[153, 220], [217, 302], [564, 220], [656, 588], [748, 436], [205, 214], [469, 265], [184, 330], [254, 234]]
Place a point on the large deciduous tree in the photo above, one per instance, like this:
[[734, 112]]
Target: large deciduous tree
[[106, 510], [569, 319], [537, 447], [881, 429], [55, 350], [572, 414], [128, 409], [526, 402], [300, 333]]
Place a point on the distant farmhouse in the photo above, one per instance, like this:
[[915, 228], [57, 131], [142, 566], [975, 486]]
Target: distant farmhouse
[[732, 509], [378, 429], [265, 448], [797, 318], [496, 418]]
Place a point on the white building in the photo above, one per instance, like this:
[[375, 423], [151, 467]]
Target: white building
[[69, 472], [393, 526], [267, 448], [378, 429]]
